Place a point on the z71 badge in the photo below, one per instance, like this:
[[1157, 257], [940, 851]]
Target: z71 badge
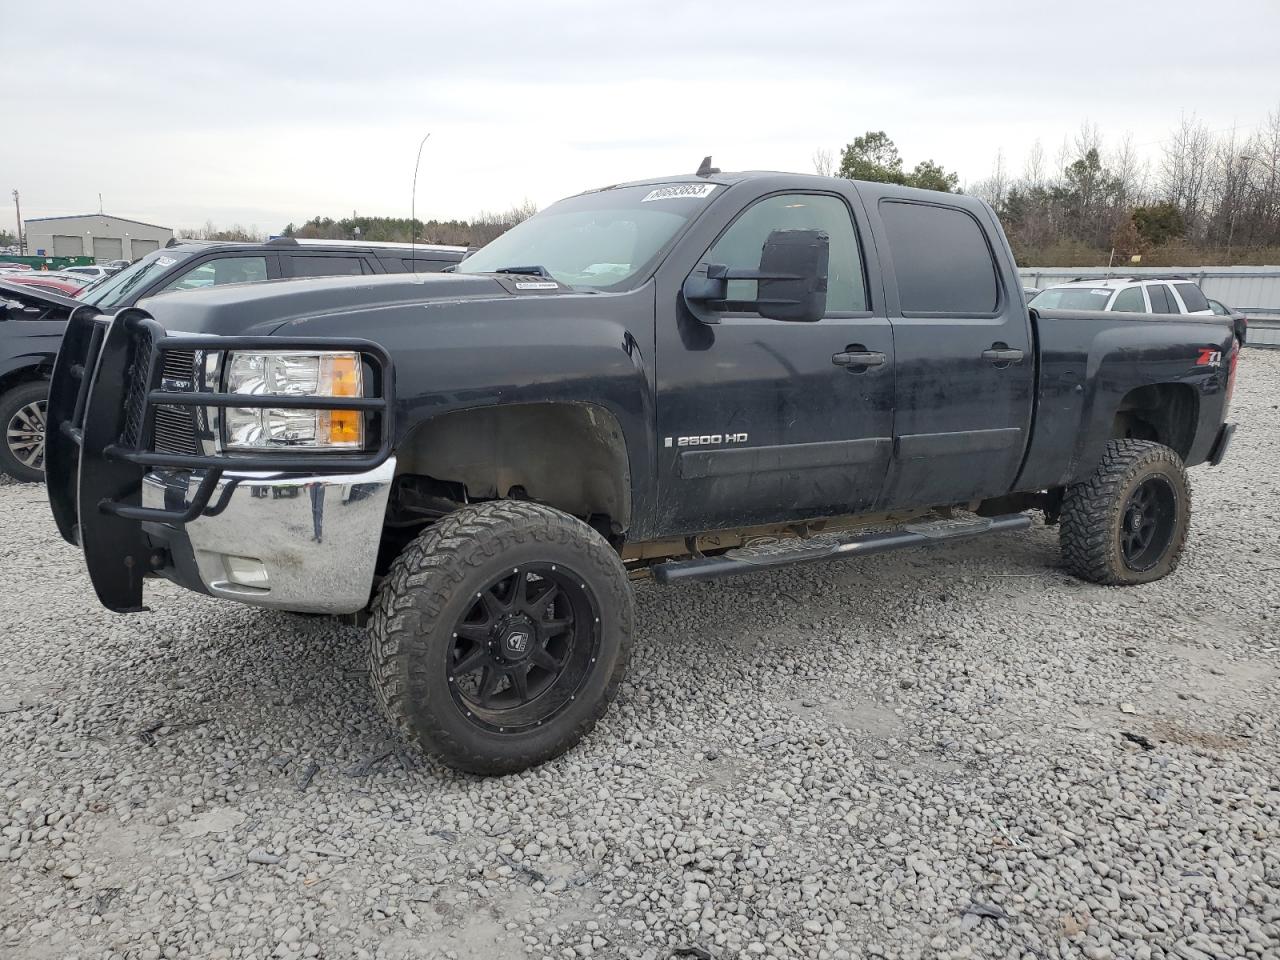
[[1209, 358]]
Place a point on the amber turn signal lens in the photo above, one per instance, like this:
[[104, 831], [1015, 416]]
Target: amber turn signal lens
[[345, 427], [345, 376]]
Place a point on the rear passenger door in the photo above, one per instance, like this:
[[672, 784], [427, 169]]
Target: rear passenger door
[[965, 368], [329, 265]]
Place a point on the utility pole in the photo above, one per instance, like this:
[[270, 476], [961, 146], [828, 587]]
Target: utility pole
[[22, 247]]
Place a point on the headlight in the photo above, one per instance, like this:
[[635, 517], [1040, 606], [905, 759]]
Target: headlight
[[293, 374]]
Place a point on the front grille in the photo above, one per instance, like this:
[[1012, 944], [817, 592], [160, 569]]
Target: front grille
[[175, 431], [179, 365]]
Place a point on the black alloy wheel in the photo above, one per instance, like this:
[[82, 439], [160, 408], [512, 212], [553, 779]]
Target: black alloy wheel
[[500, 635], [1150, 516], [524, 646], [1127, 523]]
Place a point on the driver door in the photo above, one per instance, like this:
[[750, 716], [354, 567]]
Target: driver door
[[761, 420]]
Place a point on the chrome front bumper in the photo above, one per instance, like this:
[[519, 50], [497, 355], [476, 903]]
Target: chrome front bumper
[[308, 544]]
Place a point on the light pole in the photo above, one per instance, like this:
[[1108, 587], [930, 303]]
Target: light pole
[[1245, 160], [17, 204]]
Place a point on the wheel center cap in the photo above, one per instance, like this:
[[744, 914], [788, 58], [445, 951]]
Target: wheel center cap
[[516, 638], [1135, 518]]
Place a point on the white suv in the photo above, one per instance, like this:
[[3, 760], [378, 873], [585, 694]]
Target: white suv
[[1125, 294], [92, 272]]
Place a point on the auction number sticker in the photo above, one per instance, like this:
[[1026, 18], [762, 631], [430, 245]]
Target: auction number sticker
[[680, 191]]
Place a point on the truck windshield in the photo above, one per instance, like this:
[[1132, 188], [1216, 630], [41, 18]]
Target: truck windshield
[[111, 291], [607, 240], [1072, 298]]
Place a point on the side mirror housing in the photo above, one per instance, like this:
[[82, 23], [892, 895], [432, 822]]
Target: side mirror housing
[[793, 275], [791, 280]]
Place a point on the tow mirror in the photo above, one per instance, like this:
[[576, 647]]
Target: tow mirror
[[791, 280]]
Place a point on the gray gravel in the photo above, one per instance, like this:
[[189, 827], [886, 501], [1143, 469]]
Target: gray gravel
[[960, 753]]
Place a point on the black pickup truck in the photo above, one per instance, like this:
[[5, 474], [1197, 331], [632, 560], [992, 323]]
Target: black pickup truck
[[684, 378], [28, 345]]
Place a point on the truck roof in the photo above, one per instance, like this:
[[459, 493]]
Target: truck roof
[[319, 244], [787, 179]]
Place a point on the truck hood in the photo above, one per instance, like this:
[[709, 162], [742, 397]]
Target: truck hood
[[253, 309]]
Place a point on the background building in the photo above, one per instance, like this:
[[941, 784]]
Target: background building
[[94, 235]]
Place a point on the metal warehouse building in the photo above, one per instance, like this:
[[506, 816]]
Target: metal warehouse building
[[94, 235]]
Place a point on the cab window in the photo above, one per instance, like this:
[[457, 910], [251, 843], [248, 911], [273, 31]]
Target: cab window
[[739, 247], [213, 273], [941, 260]]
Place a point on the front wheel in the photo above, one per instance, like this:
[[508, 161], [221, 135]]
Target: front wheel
[[22, 411], [500, 636], [1128, 522]]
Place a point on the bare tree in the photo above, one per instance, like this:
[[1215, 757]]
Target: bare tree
[[1262, 174], [1131, 171], [1184, 171], [210, 231], [1033, 171], [824, 163], [994, 188]]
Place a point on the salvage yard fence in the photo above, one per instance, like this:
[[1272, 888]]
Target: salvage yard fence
[[1254, 291]]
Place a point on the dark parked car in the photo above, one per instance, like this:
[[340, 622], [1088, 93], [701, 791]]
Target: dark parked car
[[685, 378], [27, 348], [1238, 319]]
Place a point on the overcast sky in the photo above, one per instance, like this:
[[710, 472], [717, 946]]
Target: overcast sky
[[268, 112]]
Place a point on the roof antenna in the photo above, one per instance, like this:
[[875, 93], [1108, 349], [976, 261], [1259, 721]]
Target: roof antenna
[[413, 207], [705, 169]]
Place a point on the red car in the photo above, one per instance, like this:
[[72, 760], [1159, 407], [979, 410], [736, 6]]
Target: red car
[[59, 284]]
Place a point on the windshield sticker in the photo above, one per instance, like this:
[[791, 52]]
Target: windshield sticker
[[537, 285], [166, 261], [681, 191], [1101, 293]]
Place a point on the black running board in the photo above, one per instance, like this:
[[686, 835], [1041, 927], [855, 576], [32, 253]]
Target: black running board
[[786, 553]]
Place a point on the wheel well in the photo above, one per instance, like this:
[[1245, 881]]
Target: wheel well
[[1164, 412], [23, 375], [570, 456]]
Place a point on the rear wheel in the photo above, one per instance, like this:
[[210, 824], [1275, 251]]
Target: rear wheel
[[22, 412], [1128, 523], [500, 635]]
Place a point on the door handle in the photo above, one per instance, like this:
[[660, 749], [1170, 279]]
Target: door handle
[[864, 358], [1001, 354]]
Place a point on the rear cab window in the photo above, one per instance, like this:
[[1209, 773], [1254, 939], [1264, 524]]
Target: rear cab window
[[941, 259]]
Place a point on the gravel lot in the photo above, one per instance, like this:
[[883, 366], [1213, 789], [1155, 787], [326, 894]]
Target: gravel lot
[[958, 753]]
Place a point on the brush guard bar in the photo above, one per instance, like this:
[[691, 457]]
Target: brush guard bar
[[106, 387]]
